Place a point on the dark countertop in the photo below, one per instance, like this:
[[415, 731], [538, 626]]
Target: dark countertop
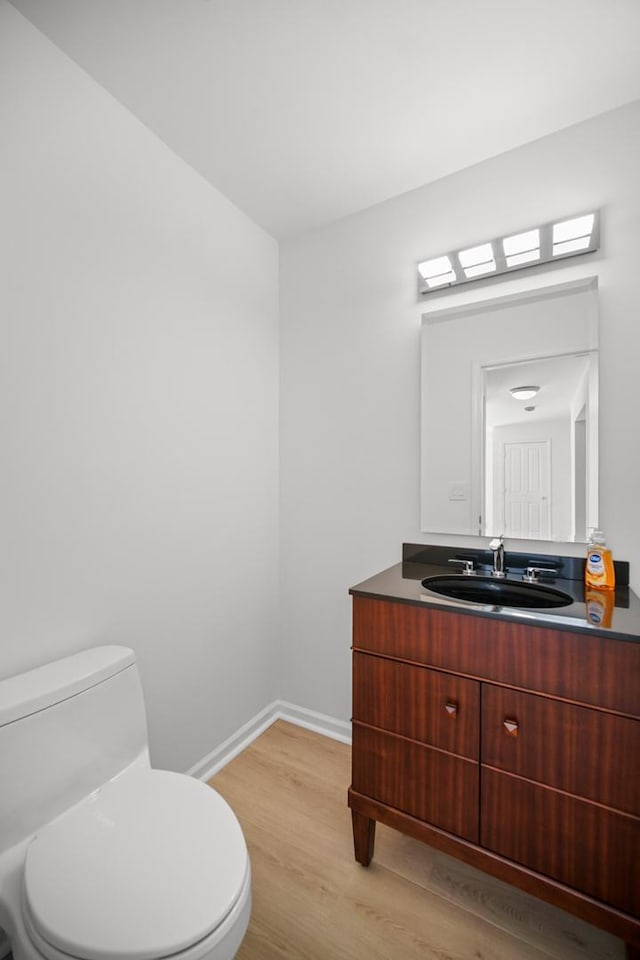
[[403, 583]]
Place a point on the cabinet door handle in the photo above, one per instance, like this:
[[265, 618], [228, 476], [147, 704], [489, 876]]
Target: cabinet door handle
[[451, 707], [511, 726]]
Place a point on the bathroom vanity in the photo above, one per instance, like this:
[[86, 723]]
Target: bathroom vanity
[[509, 738]]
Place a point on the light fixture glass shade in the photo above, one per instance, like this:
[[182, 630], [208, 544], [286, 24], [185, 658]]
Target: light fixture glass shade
[[570, 246], [476, 255], [521, 242], [523, 393], [480, 269], [435, 267], [529, 256], [443, 278], [570, 229]]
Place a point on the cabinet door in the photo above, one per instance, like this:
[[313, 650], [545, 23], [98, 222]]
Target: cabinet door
[[587, 846], [586, 752], [429, 784], [440, 709]]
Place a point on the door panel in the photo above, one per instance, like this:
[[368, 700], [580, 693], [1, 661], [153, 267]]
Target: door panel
[[443, 710], [429, 784], [527, 485], [589, 847]]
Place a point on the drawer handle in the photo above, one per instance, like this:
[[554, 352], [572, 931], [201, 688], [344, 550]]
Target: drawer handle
[[511, 726], [451, 708]]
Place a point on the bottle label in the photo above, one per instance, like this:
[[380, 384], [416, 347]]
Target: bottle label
[[595, 563]]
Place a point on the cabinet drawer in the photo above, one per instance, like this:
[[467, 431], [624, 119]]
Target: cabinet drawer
[[420, 780], [579, 843], [582, 751], [437, 708], [576, 666]]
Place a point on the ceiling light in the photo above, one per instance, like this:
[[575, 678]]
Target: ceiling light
[[523, 393], [479, 269], [529, 256], [435, 268], [521, 242], [476, 255], [570, 229]]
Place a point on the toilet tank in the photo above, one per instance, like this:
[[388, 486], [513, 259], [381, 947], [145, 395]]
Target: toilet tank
[[66, 728]]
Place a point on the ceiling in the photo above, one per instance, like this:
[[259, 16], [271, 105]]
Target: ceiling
[[558, 379], [304, 111]]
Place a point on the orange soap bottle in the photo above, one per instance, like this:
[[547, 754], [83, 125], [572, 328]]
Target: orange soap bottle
[[599, 573]]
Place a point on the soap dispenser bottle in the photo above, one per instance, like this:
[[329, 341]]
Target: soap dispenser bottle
[[599, 573]]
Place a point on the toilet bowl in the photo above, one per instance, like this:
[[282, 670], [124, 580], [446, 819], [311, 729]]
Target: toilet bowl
[[145, 865]]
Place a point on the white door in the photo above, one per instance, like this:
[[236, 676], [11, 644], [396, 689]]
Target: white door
[[526, 490]]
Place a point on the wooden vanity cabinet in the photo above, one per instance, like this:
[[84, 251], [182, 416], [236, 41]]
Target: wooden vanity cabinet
[[513, 747]]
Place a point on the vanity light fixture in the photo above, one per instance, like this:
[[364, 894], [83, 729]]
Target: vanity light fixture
[[523, 393], [537, 245]]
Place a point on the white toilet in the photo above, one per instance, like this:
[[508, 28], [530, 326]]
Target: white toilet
[[101, 857]]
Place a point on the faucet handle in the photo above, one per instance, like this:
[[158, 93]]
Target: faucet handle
[[532, 574], [467, 566]]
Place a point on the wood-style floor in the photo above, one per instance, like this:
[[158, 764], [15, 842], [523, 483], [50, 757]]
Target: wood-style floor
[[312, 901]]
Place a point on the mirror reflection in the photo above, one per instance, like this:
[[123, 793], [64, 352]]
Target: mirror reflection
[[496, 460], [538, 461]]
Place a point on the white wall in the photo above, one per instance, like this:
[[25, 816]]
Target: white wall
[[138, 406], [350, 372]]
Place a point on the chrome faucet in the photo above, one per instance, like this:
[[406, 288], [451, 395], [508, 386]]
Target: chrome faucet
[[498, 557]]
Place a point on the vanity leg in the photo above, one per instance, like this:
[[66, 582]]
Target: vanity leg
[[364, 835], [633, 951]]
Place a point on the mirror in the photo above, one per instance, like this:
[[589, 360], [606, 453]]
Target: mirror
[[493, 463]]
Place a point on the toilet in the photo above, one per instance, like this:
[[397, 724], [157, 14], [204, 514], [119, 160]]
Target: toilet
[[101, 856]]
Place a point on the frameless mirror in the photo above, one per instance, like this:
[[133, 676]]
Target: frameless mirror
[[493, 463]]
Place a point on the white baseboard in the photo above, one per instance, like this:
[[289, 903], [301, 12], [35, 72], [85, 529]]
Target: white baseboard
[[318, 722], [236, 743], [250, 731]]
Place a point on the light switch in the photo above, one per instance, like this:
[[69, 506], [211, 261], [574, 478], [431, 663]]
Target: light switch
[[458, 490]]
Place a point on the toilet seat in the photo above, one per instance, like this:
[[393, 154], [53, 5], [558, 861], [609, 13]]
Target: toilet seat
[[147, 867]]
